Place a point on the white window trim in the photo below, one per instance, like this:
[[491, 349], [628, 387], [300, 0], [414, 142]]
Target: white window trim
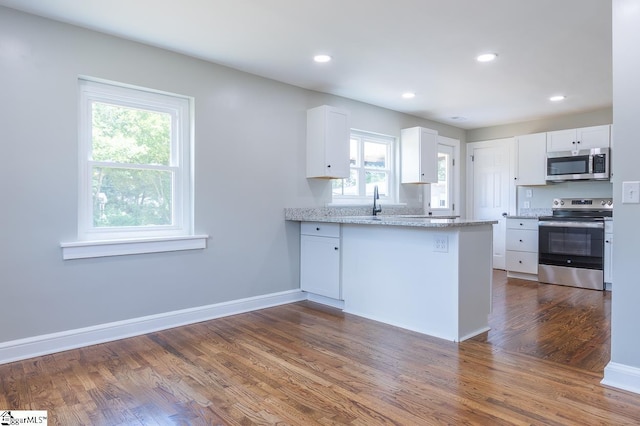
[[93, 242], [91, 249], [391, 199]]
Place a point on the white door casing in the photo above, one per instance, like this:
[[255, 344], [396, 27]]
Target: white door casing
[[491, 191], [452, 147]]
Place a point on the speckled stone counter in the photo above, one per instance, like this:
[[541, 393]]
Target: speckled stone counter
[[412, 220], [531, 213]]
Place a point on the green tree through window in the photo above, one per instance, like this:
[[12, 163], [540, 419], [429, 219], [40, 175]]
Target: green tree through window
[[128, 191]]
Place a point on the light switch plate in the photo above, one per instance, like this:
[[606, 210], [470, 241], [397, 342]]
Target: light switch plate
[[529, 193], [630, 192]]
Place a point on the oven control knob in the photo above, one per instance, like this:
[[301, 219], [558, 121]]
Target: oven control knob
[[609, 202], [562, 202], [555, 202]]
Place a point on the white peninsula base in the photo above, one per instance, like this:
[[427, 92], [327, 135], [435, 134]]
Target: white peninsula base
[[435, 281]]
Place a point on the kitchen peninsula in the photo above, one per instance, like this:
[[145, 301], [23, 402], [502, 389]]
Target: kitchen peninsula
[[426, 274]]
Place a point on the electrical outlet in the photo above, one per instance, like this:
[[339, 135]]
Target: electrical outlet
[[529, 193], [527, 205], [441, 243]]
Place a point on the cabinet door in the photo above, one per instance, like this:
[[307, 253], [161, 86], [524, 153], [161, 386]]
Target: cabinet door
[[577, 139], [320, 265], [419, 154], [428, 156], [337, 143], [328, 136], [593, 137], [531, 162], [561, 140]]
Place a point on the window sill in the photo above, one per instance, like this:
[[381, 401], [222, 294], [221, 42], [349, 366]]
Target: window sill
[[89, 249]]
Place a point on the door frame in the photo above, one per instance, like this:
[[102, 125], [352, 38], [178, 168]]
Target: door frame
[[499, 230], [510, 142], [456, 184]]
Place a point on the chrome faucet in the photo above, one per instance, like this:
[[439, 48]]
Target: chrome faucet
[[376, 208]]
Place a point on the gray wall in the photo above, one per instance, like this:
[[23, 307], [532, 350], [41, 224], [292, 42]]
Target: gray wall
[[560, 122], [625, 344], [249, 166]]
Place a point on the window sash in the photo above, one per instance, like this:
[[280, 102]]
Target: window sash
[[361, 170], [179, 109]]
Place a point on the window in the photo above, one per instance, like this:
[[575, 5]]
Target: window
[[135, 164], [371, 164], [444, 195], [441, 191]]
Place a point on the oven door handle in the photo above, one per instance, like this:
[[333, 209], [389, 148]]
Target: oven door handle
[[567, 224]]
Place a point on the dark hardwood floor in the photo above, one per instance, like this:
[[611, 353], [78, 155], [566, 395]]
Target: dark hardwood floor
[[557, 323], [304, 364]]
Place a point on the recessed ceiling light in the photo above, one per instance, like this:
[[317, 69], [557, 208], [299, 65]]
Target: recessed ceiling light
[[487, 57], [408, 95], [557, 98], [458, 118], [322, 58]]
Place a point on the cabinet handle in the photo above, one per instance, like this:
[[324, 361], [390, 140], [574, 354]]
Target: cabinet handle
[[574, 142], [520, 240], [317, 229], [328, 166], [522, 224], [519, 261], [607, 241], [335, 248]]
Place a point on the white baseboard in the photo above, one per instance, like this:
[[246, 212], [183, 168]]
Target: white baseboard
[[334, 303], [622, 376], [30, 347]]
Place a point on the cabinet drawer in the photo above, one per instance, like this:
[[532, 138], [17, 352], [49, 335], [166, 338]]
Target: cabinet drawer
[[522, 223], [522, 240], [320, 229], [519, 261]]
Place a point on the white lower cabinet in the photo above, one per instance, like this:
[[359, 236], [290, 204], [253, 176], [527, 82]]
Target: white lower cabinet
[[320, 259], [608, 254], [522, 248]]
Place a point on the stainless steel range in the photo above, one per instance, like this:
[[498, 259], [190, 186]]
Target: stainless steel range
[[571, 242]]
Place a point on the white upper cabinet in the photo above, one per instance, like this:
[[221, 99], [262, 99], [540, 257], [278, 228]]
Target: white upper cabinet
[[577, 139], [531, 159], [419, 155], [328, 135]]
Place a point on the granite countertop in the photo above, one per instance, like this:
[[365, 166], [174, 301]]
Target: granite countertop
[[421, 221]]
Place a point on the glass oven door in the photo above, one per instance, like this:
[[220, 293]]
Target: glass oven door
[[577, 244]]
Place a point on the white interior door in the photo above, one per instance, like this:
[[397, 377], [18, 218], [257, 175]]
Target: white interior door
[[491, 189]]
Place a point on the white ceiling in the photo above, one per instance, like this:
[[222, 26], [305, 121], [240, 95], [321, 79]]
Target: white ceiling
[[382, 48]]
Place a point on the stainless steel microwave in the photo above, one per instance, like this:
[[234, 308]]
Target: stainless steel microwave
[[586, 164]]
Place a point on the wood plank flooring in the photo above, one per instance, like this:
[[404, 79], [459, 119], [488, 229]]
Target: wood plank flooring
[[303, 364], [562, 324]]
